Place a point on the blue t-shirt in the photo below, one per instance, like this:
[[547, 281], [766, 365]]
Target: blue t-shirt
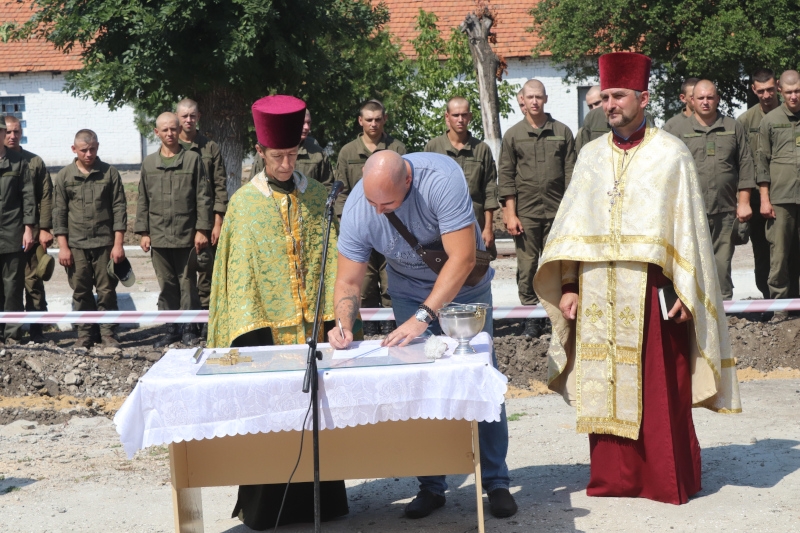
[[437, 203]]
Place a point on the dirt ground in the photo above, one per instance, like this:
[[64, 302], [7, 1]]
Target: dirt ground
[[52, 382]]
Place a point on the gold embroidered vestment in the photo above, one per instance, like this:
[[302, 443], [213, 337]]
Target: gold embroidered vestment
[[268, 262], [622, 211]]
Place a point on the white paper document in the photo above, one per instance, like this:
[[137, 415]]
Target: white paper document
[[361, 352]]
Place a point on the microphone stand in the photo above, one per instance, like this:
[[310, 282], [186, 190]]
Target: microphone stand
[[311, 379]]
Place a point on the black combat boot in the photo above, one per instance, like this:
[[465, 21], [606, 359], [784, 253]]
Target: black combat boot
[[189, 336], [170, 337]]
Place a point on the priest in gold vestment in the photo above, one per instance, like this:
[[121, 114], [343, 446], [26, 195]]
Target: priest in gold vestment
[[265, 283], [631, 222]]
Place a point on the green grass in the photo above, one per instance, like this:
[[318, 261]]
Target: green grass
[[516, 416], [12, 488], [158, 450]]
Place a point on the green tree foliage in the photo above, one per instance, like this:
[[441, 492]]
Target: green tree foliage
[[441, 70], [224, 54], [724, 40]]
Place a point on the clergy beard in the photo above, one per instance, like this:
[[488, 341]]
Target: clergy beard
[[620, 120]]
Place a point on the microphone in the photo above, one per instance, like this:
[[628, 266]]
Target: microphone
[[335, 190]]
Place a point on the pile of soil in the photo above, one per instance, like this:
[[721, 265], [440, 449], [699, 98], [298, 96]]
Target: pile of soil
[[765, 345], [51, 382], [522, 360], [57, 380]]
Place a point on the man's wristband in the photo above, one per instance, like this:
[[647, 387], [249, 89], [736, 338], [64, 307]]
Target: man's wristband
[[428, 310]]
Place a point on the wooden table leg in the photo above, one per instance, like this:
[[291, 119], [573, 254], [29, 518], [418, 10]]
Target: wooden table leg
[[187, 503], [476, 460]]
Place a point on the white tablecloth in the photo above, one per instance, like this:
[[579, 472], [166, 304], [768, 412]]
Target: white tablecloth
[[172, 404]]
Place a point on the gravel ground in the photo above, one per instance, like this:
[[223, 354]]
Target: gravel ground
[[74, 477]]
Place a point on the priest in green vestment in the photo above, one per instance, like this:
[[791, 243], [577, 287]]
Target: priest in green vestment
[[265, 283]]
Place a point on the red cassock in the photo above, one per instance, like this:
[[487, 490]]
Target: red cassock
[[663, 464]]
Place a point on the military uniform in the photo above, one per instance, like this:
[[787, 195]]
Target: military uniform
[[17, 210], [778, 165], [751, 120], [43, 188], [208, 151], [535, 167], [595, 125], [175, 200], [725, 166], [675, 123], [477, 162], [312, 161], [88, 210], [349, 170]]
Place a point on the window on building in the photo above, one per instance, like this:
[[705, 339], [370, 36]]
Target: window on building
[[583, 109], [12, 106]]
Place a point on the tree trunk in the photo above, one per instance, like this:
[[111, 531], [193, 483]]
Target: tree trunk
[[486, 65], [224, 116]]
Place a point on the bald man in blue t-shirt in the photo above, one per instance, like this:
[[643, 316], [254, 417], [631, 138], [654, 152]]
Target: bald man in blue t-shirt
[[428, 193]]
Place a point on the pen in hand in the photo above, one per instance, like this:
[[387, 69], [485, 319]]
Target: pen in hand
[[341, 331]]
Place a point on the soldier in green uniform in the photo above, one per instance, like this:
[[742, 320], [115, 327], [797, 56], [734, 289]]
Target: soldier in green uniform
[[174, 215], [764, 86], [593, 101], [535, 168], [521, 101], [312, 161], [725, 168], [89, 220], [687, 88], [43, 187], [475, 159], [17, 219], [778, 176], [372, 119], [208, 150]]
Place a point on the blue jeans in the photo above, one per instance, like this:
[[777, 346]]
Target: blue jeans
[[493, 436]]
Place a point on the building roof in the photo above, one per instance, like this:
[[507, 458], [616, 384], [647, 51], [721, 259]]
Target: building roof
[[32, 55], [511, 22]]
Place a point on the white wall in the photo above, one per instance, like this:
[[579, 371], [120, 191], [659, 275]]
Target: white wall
[[53, 117], [562, 99]]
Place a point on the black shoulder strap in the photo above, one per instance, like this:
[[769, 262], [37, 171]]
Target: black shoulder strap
[[403, 231], [434, 260]]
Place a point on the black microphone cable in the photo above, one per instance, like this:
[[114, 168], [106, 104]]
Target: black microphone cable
[[299, 455]]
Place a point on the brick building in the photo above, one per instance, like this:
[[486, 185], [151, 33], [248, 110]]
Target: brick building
[[32, 89], [32, 81]]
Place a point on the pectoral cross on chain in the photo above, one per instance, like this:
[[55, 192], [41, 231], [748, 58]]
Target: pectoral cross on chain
[[615, 194]]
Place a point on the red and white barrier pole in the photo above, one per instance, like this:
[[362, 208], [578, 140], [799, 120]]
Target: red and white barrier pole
[[732, 307]]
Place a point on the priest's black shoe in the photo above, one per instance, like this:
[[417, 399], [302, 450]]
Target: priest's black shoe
[[501, 503], [424, 504], [170, 337]]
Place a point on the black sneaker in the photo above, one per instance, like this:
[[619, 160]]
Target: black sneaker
[[502, 504], [424, 504]]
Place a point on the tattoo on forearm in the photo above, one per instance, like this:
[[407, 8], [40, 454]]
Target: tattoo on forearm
[[347, 307]]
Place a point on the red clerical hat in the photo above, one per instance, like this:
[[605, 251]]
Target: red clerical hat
[[279, 121], [624, 70]]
